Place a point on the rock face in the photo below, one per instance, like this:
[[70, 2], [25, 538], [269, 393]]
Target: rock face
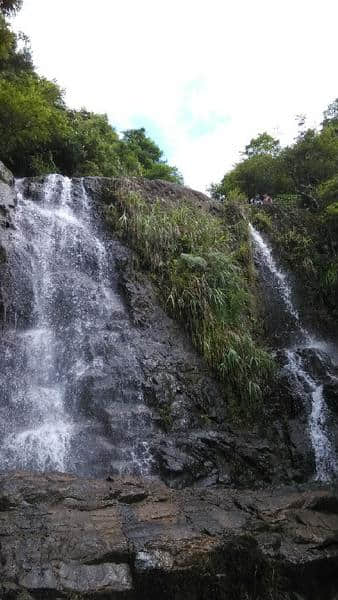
[[208, 525], [7, 195], [189, 405], [7, 204], [129, 355], [64, 537], [199, 447]]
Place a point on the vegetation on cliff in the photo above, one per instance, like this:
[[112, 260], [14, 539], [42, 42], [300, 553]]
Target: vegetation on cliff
[[200, 261], [303, 221], [39, 134]]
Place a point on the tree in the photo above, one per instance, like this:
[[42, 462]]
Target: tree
[[262, 144], [331, 114], [310, 161], [38, 134], [12, 59], [90, 146], [261, 173], [9, 7], [31, 116], [146, 157], [145, 150], [7, 42]]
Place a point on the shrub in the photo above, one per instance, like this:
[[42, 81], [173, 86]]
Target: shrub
[[261, 220]]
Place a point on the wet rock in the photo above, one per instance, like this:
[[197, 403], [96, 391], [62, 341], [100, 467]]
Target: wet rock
[[188, 545], [7, 205], [81, 579], [203, 458], [317, 362], [7, 196], [6, 176], [331, 395]]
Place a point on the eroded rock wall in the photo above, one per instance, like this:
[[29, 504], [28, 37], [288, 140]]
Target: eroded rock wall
[[64, 537]]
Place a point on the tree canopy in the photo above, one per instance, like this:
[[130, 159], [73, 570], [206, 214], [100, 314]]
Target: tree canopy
[[9, 7], [262, 144], [303, 220], [39, 134], [306, 168]]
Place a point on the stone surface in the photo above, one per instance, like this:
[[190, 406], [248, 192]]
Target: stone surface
[[186, 402], [7, 205], [7, 196], [6, 176], [147, 356], [66, 537]]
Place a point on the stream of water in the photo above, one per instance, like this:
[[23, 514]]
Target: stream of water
[[299, 342], [69, 378]]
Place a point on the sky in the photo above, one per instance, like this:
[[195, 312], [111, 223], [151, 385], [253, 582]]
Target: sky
[[203, 77]]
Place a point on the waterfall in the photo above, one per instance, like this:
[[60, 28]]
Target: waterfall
[[70, 384], [300, 346]]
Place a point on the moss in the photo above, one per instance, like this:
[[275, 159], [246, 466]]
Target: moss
[[192, 256]]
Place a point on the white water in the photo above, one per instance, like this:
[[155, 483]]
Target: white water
[[43, 442], [70, 392], [324, 452]]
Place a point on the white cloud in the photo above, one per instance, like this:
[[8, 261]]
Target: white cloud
[[241, 66]]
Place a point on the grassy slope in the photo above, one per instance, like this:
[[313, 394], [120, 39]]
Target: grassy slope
[[200, 262]]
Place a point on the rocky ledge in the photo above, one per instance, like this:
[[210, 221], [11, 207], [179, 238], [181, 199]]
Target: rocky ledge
[[66, 537]]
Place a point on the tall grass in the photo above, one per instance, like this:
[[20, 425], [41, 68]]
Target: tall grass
[[192, 257]]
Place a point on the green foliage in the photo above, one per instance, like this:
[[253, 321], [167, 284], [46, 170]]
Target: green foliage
[[331, 114], [331, 274], [149, 158], [194, 262], [296, 244], [308, 243], [311, 160], [291, 200], [262, 144], [9, 7], [299, 169], [261, 173], [303, 221], [261, 220], [13, 59], [189, 253], [327, 192], [38, 134], [236, 196], [31, 117], [332, 209]]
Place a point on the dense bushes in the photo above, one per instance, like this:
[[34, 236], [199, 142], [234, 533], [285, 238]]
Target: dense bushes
[[191, 256], [303, 223], [301, 169]]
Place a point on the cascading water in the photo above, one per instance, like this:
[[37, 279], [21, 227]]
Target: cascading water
[[70, 384], [300, 345]]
